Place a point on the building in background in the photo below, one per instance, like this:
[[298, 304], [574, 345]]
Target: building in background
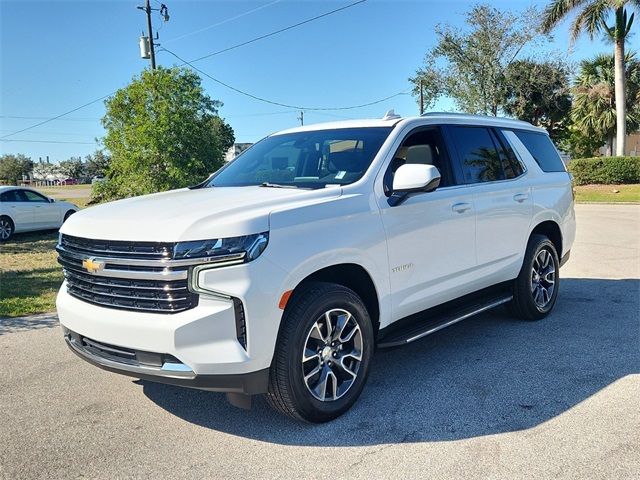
[[236, 150]]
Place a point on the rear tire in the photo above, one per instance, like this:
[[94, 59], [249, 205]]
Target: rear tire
[[535, 291], [6, 228], [323, 354]]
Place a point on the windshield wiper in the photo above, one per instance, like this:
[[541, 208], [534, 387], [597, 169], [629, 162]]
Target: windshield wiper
[[276, 185]]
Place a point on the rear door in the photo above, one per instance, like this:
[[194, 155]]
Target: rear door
[[502, 198], [17, 209], [430, 236]]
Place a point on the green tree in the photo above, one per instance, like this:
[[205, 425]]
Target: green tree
[[74, 167], [163, 132], [97, 164], [595, 110], [471, 66], [14, 167], [593, 17], [539, 93]]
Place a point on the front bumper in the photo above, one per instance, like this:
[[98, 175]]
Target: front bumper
[[162, 368]]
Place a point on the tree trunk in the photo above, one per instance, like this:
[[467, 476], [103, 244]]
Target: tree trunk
[[621, 100]]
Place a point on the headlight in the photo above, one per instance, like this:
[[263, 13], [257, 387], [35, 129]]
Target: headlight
[[249, 245]]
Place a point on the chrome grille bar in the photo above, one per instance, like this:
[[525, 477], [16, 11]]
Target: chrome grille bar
[[113, 274]]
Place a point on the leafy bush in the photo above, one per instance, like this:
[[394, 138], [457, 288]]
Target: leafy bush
[[605, 170]]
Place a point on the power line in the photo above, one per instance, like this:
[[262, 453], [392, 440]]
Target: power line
[[261, 37], [276, 32], [280, 104], [57, 116], [222, 22], [47, 141], [76, 119]]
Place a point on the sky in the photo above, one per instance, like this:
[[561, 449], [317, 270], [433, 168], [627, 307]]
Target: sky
[[59, 55]]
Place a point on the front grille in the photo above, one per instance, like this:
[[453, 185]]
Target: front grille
[[120, 249], [137, 276]]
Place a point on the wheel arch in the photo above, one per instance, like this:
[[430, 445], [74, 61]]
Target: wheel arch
[[353, 276], [552, 231]]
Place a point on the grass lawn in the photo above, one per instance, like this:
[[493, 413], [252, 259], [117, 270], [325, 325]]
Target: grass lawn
[[29, 274], [77, 194], [606, 193]]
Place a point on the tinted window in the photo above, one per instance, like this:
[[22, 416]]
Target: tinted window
[[33, 196], [542, 150], [10, 196], [305, 159], [510, 163], [478, 154], [426, 147]]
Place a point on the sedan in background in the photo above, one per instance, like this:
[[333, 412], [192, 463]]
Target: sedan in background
[[26, 210]]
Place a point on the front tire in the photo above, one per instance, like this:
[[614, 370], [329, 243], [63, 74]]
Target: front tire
[[6, 228], [535, 291], [67, 215], [323, 354]]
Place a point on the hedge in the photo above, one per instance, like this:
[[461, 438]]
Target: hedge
[[605, 170]]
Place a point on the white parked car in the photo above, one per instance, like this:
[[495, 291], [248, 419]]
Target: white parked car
[[26, 210], [283, 271]]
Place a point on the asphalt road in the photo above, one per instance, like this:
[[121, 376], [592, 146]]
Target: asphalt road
[[491, 397]]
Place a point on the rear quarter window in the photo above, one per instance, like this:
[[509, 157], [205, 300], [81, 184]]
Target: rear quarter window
[[542, 150]]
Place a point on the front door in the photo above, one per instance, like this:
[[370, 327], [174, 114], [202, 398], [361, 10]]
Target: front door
[[430, 236], [45, 213]]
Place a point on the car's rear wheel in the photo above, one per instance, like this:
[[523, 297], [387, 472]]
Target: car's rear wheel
[[323, 353], [535, 291], [6, 228]]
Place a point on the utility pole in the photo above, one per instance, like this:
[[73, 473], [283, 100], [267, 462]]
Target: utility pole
[[301, 117], [421, 99], [165, 13]]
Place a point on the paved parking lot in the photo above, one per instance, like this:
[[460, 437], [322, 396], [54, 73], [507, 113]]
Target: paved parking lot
[[488, 398]]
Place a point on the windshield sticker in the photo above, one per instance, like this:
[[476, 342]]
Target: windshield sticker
[[340, 175]]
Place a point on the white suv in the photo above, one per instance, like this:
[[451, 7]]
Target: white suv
[[283, 271]]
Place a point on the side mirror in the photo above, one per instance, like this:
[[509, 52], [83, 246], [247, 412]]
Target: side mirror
[[413, 178], [416, 177], [52, 200]]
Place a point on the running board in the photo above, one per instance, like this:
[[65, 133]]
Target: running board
[[419, 329]]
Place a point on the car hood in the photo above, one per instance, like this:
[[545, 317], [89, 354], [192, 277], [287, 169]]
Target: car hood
[[180, 215]]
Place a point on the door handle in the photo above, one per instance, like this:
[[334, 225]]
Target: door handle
[[520, 197], [461, 207]]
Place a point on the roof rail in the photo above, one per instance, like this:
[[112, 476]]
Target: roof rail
[[471, 116]]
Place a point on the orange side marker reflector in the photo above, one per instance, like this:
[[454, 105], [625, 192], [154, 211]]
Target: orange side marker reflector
[[284, 299]]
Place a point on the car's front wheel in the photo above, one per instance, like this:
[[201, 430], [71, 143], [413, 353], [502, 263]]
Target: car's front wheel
[[323, 354], [6, 228], [535, 291]]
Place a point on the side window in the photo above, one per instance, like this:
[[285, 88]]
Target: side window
[[510, 163], [10, 196], [478, 154], [33, 197], [424, 146], [542, 150]]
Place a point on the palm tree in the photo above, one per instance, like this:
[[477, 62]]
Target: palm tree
[[592, 16], [594, 109]]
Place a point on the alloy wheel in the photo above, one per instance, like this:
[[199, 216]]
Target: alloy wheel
[[543, 278], [5, 229], [332, 355]]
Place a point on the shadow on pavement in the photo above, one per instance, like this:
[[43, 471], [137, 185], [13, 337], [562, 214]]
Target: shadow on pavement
[[488, 375], [32, 322]]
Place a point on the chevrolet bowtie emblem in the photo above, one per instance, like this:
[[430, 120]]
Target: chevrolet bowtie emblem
[[92, 265]]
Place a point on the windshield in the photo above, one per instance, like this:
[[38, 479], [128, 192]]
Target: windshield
[[305, 159]]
